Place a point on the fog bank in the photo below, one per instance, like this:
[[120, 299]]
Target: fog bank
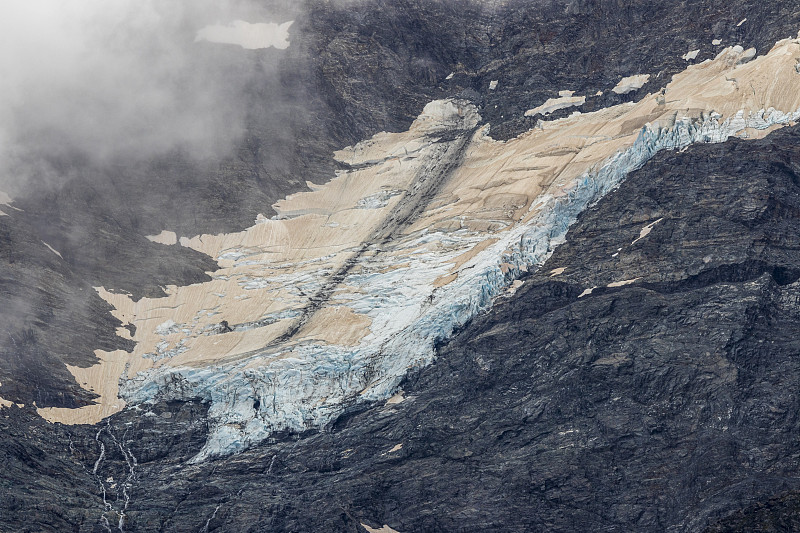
[[101, 81]]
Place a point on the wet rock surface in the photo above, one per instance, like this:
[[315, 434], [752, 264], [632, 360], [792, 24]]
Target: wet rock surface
[[665, 399]]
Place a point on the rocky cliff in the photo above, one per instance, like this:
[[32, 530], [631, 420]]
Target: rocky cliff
[[556, 293]]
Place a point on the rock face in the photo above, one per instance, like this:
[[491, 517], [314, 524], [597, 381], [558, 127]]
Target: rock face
[[633, 370], [332, 301]]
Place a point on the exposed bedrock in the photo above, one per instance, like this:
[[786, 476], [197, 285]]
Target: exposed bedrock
[[642, 378], [664, 404], [353, 69]]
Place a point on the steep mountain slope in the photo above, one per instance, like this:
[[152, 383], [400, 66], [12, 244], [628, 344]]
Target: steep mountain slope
[[638, 376], [659, 405]]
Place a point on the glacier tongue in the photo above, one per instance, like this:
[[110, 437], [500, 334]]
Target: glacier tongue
[[312, 383]]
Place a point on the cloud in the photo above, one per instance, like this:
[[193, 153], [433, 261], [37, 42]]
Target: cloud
[[110, 80], [248, 36]]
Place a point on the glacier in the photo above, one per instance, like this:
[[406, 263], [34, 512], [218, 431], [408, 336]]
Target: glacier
[[318, 382]]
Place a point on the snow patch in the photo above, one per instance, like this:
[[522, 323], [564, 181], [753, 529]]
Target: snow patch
[[631, 83], [52, 249], [397, 398], [623, 282], [384, 529], [165, 237], [646, 230], [689, 56], [555, 104], [250, 36]]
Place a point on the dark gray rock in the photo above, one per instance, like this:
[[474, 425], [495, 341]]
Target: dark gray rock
[[664, 405], [668, 404]]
